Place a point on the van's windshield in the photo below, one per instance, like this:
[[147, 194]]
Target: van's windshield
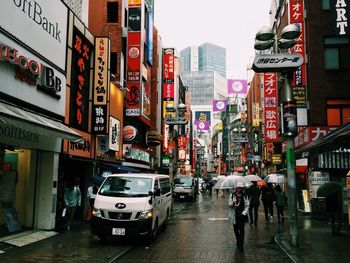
[[126, 187], [184, 181]]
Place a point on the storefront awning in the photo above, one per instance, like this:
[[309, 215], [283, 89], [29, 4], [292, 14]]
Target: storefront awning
[[332, 141], [11, 115]]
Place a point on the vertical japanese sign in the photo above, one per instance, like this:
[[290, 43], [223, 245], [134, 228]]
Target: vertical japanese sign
[[270, 107], [133, 86], [168, 84], [256, 114], [296, 16], [80, 81], [114, 134], [181, 142], [101, 85]]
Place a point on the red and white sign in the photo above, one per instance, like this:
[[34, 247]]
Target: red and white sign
[[311, 134], [296, 15], [129, 133], [168, 64], [270, 107], [168, 91], [296, 11]]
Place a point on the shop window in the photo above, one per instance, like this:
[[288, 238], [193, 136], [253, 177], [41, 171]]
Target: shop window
[[114, 58], [336, 53], [325, 4], [112, 12], [331, 58], [338, 112]]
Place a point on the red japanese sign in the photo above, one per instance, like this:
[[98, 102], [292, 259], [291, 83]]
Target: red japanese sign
[[133, 99], [296, 15], [296, 11], [310, 134], [168, 64], [134, 64], [270, 108], [168, 91]]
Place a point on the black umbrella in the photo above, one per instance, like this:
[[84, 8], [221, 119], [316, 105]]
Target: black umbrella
[[329, 188]]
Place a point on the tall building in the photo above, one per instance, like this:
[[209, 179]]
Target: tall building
[[212, 57], [204, 86], [189, 59], [206, 57]]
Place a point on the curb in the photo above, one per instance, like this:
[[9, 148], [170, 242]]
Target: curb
[[283, 244]]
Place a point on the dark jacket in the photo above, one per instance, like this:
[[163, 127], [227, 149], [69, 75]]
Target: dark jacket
[[268, 194], [254, 194]]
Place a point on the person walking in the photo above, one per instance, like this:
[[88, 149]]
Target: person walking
[[280, 198], [334, 209], [91, 195], [72, 199], [267, 197], [254, 195], [239, 206]]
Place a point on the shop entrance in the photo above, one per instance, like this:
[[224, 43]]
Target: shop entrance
[[17, 190]]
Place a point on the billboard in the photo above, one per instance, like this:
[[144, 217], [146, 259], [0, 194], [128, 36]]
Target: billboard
[[80, 81], [270, 107], [40, 24], [237, 86], [101, 85], [219, 105]]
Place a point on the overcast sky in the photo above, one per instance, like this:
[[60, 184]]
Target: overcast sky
[[231, 24]]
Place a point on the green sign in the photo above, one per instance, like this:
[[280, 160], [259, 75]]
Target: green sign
[[290, 159]]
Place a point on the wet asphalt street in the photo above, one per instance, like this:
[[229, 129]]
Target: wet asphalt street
[[197, 232]]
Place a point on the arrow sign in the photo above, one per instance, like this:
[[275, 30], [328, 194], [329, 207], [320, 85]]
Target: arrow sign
[[277, 62]]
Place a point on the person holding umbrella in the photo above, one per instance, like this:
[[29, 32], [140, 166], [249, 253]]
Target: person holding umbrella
[[332, 193], [239, 205], [254, 194]]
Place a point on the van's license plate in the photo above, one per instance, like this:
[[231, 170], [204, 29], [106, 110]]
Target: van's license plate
[[182, 196], [118, 231]]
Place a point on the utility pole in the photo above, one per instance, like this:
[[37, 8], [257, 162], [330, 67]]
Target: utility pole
[[265, 39], [289, 131]]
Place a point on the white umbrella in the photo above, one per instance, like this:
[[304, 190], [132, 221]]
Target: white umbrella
[[231, 182], [253, 177], [275, 178]]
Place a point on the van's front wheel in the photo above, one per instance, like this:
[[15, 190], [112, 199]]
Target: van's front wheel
[[155, 231]]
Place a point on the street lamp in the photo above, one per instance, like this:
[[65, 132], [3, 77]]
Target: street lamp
[[240, 138], [176, 117], [265, 39], [200, 160]]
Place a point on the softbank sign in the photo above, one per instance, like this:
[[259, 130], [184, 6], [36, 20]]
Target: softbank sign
[[340, 15], [40, 24]]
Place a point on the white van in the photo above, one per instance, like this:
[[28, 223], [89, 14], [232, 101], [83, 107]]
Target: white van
[[131, 205], [185, 187]]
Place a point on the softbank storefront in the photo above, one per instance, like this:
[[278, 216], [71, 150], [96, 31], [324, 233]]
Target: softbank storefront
[[32, 110]]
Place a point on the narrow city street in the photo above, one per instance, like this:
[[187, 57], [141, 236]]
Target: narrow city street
[[197, 232]]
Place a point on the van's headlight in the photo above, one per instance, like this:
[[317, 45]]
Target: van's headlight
[[96, 212], [146, 215]]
